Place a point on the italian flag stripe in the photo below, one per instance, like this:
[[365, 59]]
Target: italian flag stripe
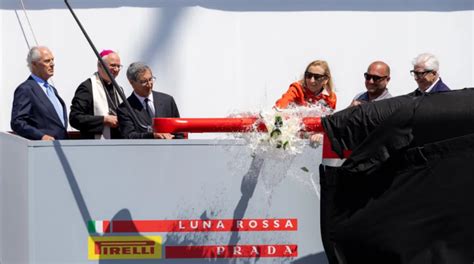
[[96, 227], [193, 225]]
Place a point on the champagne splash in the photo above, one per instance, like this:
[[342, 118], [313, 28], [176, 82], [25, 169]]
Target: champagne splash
[[281, 144], [285, 136]]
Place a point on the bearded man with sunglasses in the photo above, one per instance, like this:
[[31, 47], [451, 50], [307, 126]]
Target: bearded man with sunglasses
[[376, 80], [426, 74]]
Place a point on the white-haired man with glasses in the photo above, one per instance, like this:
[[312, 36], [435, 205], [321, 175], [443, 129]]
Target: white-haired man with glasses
[[426, 74], [146, 105], [376, 80]]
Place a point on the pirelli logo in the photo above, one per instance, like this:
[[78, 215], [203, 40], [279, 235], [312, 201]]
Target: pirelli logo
[[111, 244], [124, 247]]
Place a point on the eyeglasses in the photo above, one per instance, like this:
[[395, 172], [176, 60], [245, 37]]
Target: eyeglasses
[[145, 82], [375, 78], [317, 77], [420, 74], [116, 66]]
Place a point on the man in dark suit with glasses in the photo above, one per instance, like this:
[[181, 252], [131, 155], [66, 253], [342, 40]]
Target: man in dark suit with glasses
[[146, 105], [426, 74]]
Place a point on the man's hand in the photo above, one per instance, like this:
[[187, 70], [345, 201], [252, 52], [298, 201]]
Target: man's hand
[[163, 136], [47, 138], [355, 103], [111, 121]]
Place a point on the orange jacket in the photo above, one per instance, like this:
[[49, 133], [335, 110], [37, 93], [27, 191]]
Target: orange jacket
[[301, 96]]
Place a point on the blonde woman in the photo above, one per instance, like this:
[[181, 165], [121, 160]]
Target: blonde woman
[[316, 86]]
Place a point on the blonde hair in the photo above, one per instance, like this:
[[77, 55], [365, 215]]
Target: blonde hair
[[323, 64]]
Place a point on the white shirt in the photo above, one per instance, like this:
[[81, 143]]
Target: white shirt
[[431, 87], [150, 102]]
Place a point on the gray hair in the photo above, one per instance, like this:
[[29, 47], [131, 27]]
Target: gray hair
[[34, 55], [136, 69], [428, 61]]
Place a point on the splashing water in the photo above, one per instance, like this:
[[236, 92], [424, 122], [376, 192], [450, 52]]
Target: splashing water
[[278, 149], [271, 163], [284, 136]]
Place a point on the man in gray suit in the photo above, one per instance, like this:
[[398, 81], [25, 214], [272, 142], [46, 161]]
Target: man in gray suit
[[146, 104]]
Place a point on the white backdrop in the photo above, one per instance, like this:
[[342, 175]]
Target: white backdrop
[[221, 57]]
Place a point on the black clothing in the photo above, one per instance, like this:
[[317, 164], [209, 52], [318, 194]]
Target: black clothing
[[82, 111], [404, 194], [164, 105], [439, 87], [349, 127]]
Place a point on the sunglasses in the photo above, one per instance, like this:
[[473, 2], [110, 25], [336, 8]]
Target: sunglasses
[[317, 77], [419, 74], [375, 78]]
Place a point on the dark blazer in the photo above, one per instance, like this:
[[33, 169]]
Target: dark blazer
[[165, 106], [438, 88], [33, 115]]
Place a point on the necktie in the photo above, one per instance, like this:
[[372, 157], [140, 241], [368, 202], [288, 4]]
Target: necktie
[[148, 108], [55, 101]]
